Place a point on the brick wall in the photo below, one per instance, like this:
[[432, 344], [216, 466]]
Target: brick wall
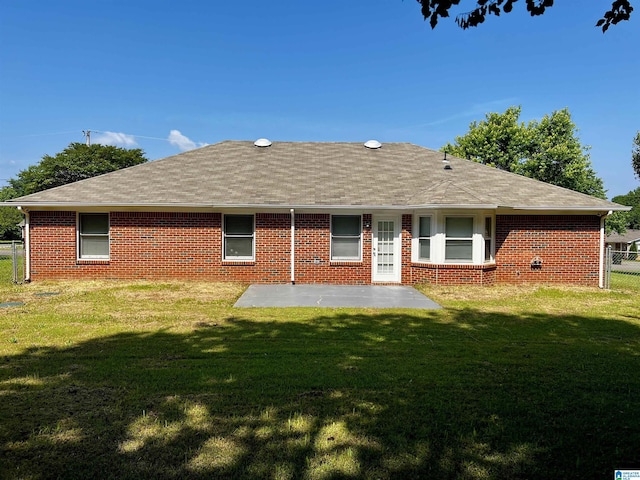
[[313, 253], [148, 245], [453, 274], [567, 245], [189, 246]]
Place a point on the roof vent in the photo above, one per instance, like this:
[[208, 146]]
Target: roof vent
[[262, 142], [373, 144], [447, 163]]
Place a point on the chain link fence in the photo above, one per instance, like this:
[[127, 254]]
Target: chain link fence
[[622, 269], [12, 262]]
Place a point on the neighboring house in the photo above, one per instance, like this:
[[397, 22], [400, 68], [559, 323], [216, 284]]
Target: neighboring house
[[341, 213], [622, 243]]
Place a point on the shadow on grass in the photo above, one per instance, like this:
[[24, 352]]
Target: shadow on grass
[[387, 395]]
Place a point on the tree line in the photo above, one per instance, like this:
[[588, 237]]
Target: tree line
[[76, 162]]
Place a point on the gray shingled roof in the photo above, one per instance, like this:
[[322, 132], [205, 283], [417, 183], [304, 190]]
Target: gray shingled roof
[[311, 174], [628, 237]]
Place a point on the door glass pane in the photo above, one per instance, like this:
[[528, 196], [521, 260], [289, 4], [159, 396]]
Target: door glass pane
[[238, 247], [385, 260]]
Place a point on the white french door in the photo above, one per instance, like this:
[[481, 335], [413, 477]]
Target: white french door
[[386, 251]]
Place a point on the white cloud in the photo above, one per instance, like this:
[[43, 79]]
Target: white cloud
[[115, 138], [183, 142]]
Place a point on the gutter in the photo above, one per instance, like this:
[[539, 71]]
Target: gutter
[[313, 207], [27, 247], [252, 206], [602, 242], [610, 208]]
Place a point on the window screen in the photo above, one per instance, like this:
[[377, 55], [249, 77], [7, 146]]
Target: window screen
[[238, 237], [459, 239], [345, 237], [93, 235]]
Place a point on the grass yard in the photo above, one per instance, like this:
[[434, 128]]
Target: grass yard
[[167, 381]]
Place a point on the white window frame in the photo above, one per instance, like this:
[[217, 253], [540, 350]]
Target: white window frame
[[252, 236], [80, 236], [416, 239], [446, 238], [491, 239], [359, 237], [439, 238]]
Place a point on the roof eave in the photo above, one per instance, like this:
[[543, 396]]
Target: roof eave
[[431, 206], [570, 208], [244, 205]]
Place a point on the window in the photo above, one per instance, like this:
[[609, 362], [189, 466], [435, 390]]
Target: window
[[458, 239], [345, 237], [424, 239], [93, 235], [488, 238], [238, 237]]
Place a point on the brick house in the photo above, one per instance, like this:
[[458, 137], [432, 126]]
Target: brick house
[[340, 213], [623, 243], [624, 246]]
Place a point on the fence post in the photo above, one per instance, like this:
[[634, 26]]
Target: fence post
[[14, 261], [17, 261], [607, 267]]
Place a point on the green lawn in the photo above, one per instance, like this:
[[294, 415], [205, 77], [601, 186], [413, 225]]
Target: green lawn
[[167, 380]]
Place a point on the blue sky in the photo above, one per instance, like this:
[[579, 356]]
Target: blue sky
[[168, 76]]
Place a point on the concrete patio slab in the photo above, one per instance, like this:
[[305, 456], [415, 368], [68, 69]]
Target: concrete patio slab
[[357, 296]]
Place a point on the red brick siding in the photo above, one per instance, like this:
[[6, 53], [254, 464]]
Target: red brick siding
[[148, 245], [313, 252], [406, 233], [568, 245], [448, 274]]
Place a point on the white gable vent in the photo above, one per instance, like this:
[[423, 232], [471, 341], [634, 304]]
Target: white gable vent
[[262, 142], [373, 144]]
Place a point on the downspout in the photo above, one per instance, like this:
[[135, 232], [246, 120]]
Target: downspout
[[601, 272], [27, 247], [293, 253]]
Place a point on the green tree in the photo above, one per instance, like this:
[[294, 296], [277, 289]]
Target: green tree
[[10, 217], [635, 155], [499, 140], [76, 162], [548, 150], [631, 199], [433, 10], [616, 222], [556, 155]]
